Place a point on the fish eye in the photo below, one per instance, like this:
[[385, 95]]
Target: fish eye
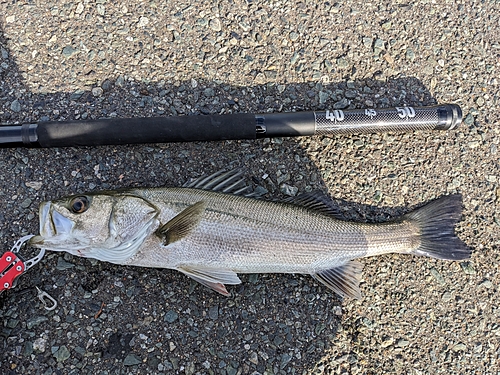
[[79, 205]]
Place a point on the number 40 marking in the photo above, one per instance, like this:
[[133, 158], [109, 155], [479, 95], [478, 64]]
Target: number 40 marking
[[335, 115]]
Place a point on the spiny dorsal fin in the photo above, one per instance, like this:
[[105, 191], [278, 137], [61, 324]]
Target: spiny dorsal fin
[[182, 224], [230, 182], [343, 280], [317, 201], [213, 278]]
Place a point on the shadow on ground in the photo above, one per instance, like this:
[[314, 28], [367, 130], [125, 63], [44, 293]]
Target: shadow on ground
[[134, 320]]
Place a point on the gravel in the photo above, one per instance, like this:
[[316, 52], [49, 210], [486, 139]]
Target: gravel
[[88, 60]]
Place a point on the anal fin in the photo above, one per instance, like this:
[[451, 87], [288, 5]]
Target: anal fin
[[343, 280], [218, 287], [212, 278]]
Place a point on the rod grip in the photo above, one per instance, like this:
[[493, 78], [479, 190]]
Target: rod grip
[[119, 131]]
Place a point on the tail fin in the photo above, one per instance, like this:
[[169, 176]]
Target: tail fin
[[436, 221]]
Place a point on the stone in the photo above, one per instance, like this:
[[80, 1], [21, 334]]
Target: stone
[[131, 359], [69, 51], [62, 354], [15, 106]]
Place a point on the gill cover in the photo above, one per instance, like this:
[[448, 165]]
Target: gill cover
[[107, 227]]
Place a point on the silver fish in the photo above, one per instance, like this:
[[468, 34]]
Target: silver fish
[[210, 232]]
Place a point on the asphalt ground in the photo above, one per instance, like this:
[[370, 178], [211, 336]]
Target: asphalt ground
[[87, 60]]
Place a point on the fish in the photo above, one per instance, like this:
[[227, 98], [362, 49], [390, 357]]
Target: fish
[[212, 230]]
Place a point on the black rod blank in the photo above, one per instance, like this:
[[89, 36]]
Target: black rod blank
[[119, 131]]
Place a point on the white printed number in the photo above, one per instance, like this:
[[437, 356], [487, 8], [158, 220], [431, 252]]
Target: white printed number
[[405, 112], [370, 113], [335, 115]]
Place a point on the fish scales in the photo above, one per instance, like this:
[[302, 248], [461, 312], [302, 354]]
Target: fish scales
[[212, 235], [250, 235]]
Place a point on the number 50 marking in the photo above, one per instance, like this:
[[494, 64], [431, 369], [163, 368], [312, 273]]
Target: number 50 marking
[[405, 112]]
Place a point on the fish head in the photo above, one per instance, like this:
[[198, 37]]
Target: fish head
[[106, 226]]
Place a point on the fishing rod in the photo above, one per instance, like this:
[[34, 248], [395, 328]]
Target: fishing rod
[[119, 131]]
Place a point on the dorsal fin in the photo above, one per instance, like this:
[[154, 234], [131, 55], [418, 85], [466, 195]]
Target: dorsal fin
[[317, 201], [230, 182]]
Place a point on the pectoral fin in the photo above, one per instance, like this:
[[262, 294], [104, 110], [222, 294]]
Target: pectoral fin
[[343, 280], [182, 224], [212, 277]]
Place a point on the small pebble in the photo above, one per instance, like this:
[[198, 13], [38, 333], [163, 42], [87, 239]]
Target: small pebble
[[342, 63], [39, 344], [15, 106], [467, 268], [402, 343], [213, 312], [289, 190], [131, 360], [386, 343], [439, 278], [62, 354], [446, 297], [143, 21], [63, 265], [487, 284], [293, 36], [459, 347], [215, 24], [171, 316], [97, 91], [26, 203], [69, 51], [33, 322], [36, 185]]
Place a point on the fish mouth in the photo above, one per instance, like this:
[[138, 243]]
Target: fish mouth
[[52, 223], [46, 227], [55, 230]]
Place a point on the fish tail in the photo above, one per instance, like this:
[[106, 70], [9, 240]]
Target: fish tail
[[436, 222]]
